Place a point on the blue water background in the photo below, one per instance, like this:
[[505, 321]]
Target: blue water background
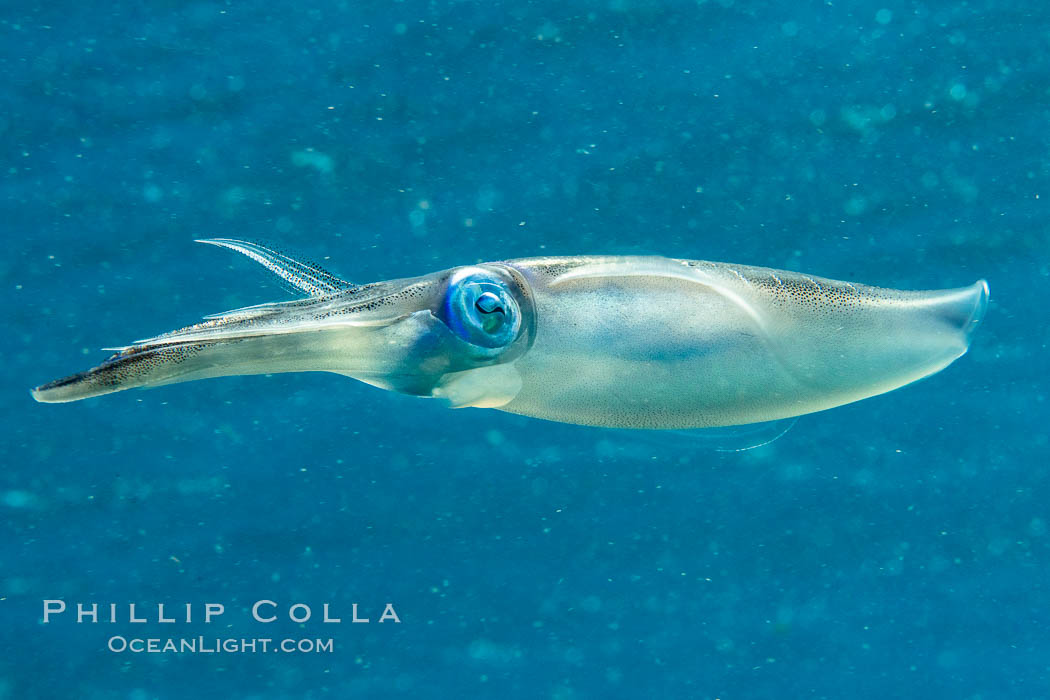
[[897, 547]]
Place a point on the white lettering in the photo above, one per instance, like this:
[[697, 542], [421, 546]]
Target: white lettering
[[259, 604], [82, 612], [213, 610], [389, 614], [291, 613], [53, 607]]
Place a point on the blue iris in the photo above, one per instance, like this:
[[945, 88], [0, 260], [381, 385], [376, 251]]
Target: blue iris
[[481, 311]]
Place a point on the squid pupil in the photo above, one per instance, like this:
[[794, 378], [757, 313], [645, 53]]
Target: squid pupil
[[489, 303]]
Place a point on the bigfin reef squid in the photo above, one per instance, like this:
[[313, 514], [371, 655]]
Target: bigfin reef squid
[[615, 341]]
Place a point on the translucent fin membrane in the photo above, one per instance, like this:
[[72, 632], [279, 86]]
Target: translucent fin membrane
[[737, 438]]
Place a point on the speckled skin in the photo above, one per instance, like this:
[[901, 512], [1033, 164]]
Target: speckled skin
[[644, 342], [631, 342]]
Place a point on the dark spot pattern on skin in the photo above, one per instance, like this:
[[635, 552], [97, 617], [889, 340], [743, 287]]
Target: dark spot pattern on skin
[[246, 322], [551, 268], [123, 368], [784, 289], [781, 289]]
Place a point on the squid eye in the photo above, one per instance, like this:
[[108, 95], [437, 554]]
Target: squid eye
[[482, 311]]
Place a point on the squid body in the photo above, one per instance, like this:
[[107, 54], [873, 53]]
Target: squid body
[[622, 341]]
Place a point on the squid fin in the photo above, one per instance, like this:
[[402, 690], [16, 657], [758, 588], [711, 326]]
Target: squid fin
[[736, 438], [740, 438]]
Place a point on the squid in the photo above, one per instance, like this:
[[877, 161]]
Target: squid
[[614, 341]]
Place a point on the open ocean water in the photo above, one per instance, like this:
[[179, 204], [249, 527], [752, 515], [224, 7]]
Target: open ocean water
[[898, 547]]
